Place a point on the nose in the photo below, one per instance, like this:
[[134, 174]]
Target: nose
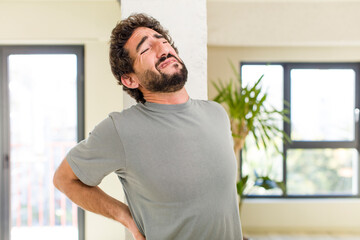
[[162, 49]]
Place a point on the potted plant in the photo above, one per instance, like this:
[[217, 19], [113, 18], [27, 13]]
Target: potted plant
[[249, 115]]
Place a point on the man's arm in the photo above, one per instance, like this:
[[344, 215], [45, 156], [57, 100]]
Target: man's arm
[[93, 198]]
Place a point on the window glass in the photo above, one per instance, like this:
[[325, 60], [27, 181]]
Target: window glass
[[322, 171], [43, 127], [264, 163], [322, 104]]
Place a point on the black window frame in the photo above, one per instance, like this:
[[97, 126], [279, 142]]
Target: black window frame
[[5, 51], [287, 67]]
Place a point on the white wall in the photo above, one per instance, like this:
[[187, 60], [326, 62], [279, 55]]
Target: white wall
[[75, 22], [283, 23], [268, 31]]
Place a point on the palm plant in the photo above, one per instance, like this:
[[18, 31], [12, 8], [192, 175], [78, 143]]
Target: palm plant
[[249, 114]]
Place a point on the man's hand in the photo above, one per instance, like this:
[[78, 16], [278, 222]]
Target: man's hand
[[131, 225], [136, 233], [138, 236], [93, 199]]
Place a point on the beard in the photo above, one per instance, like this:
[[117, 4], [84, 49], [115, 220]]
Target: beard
[[165, 83]]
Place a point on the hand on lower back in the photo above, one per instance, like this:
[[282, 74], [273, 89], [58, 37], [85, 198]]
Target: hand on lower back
[[136, 233], [138, 236], [134, 230]]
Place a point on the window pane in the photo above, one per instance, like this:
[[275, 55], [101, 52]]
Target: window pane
[[43, 126], [322, 104], [264, 162], [272, 81], [322, 171]]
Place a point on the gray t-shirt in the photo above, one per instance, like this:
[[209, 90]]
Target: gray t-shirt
[[176, 164]]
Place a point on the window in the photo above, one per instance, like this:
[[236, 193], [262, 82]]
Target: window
[[41, 119], [323, 100]]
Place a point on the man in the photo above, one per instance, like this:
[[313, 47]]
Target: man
[[172, 154]]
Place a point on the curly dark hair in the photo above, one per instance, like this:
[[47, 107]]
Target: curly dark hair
[[120, 60]]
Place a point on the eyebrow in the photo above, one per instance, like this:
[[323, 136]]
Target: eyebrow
[[158, 36], [140, 43]]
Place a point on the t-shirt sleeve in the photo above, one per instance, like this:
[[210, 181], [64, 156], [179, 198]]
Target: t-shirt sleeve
[[98, 155]]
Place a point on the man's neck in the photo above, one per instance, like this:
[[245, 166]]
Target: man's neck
[[178, 97]]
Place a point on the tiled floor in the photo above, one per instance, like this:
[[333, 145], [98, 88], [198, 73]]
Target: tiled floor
[[302, 237]]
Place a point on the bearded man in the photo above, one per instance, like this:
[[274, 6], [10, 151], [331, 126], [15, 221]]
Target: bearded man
[[172, 154]]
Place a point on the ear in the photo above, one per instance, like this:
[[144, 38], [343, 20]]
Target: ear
[[130, 80]]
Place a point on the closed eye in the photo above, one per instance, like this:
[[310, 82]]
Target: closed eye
[[144, 51]]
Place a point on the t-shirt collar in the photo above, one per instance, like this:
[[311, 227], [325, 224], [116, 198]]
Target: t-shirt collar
[[167, 107]]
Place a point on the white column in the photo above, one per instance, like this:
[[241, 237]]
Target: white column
[[186, 22]]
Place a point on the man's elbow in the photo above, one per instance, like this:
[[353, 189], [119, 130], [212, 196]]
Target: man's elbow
[[57, 180], [63, 176]]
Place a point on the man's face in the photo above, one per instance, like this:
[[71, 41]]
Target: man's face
[[157, 66]]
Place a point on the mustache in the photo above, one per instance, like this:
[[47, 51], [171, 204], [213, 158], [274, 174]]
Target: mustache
[[166, 57]]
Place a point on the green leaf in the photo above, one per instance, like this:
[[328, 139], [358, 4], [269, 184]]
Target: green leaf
[[282, 186], [241, 185], [265, 183]]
